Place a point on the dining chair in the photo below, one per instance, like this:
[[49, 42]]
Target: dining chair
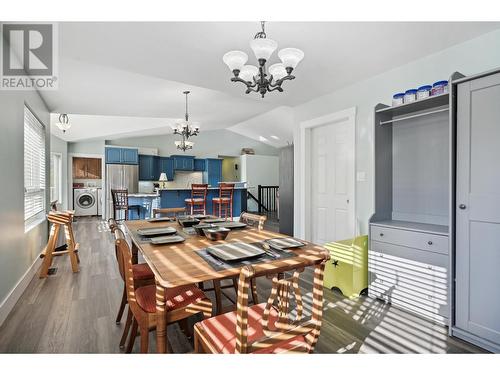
[[181, 302], [197, 204], [142, 276], [257, 222], [120, 203], [224, 202], [267, 327]]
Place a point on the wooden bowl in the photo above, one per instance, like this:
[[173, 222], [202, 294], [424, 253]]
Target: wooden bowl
[[199, 228], [188, 222], [216, 234]]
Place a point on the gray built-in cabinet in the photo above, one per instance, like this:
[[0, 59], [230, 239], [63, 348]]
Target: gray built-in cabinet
[[410, 229], [476, 255], [435, 235]]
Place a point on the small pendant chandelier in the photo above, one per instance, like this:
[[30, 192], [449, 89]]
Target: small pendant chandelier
[[186, 129], [63, 123], [255, 78]]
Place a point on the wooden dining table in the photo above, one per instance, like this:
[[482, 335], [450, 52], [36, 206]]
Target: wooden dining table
[[181, 264]]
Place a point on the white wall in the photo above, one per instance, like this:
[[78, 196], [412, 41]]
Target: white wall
[[19, 251], [61, 147], [259, 170], [210, 143], [468, 58]]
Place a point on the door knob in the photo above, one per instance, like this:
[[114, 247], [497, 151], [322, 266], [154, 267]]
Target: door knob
[[462, 206]]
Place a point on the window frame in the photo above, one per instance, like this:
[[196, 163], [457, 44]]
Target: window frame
[[40, 216]]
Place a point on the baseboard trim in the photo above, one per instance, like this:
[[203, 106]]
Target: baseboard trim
[[476, 340], [10, 301]]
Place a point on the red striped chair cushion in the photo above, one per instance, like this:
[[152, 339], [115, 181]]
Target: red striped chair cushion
[[220, 330], [142, 272], [177, 298]]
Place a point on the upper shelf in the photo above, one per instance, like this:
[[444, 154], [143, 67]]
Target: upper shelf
[[417, 106]]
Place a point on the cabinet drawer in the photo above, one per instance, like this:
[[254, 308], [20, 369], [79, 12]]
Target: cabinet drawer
[[419, 240], [410, 278]]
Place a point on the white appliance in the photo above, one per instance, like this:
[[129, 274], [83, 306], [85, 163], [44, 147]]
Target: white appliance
[[85, 201], [120, 176], [100, 202]]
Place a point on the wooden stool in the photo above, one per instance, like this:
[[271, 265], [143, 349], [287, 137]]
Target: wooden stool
[[197, 204], [58, 219], [224, 202]]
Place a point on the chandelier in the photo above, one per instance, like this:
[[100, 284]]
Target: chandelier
[[255, 78], [186, 129], [63, 123]]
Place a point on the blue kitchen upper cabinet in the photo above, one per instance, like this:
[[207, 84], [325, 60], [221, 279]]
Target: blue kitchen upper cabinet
[[113, 155], [213, 172], [183, 162], [130, 156], [148, 167], [199, 165], [117, 155], [166, 165]]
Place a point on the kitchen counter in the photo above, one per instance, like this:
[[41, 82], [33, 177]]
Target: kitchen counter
[[210, 188], [143, 195]]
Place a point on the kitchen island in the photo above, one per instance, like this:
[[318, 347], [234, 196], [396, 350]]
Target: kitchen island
[[175, 197], [145, 203]]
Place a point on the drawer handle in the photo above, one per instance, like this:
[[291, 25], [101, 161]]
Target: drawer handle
[[429, 267], [429, 243], [381, 234]]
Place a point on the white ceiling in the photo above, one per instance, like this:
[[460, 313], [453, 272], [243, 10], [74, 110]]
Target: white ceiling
[[140, 69]]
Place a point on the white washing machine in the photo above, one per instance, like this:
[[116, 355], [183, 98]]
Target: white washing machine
[[85, 201]]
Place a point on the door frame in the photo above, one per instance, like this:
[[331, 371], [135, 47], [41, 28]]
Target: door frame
[[71, 197], [305, 128]]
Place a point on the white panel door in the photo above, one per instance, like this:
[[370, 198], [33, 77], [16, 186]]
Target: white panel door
[[478, 208], [332, 182]]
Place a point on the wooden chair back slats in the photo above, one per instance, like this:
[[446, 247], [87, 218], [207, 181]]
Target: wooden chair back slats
[[282, 291], [226, 190], [256, 221], [124, 252], [199, 191]]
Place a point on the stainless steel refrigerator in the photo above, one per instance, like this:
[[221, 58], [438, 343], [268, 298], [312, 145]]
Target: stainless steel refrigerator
[[120, 176]]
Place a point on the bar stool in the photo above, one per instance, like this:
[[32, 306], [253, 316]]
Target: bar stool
[[120, 203], [224, 202], [197, 204], [58, 219]]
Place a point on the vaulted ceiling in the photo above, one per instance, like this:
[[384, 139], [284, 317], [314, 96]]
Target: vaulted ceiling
[[140, 69]]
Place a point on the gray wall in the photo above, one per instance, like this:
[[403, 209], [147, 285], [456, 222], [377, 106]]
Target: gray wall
[[209, 143], [474, 56], [18, 250], [61, 147], [86, 147]]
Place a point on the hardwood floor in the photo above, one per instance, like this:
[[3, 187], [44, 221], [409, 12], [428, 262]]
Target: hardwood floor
[[75, 313]]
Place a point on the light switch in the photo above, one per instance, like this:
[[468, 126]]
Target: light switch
[[361, 176]]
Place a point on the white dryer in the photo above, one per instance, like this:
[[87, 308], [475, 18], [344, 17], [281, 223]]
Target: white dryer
[[85, 201]]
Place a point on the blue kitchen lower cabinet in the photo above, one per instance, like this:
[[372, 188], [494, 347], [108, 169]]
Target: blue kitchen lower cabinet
[[144, 208], [176, 198]]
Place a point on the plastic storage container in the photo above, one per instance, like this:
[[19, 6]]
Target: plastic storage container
[[439, 87], [410, 96], [398, 99], [424, 92]]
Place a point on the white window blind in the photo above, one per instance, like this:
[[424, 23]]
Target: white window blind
[[34, 165]]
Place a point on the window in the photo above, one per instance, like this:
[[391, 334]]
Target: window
[[34, 169], [55, 177]]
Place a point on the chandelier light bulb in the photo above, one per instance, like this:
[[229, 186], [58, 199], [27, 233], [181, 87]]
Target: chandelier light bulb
[[263, 48], [248, 72], [278, 71], [290, 57], [235, 60]]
